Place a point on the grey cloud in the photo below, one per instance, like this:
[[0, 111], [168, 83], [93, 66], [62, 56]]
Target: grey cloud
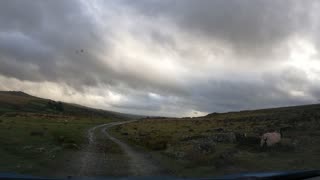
[[44, 34], [228, 96], [50, 36], [252, 28], [63, 43]]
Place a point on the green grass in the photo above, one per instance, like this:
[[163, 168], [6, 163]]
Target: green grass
[[34, 144], [171, 141], [41, 136]]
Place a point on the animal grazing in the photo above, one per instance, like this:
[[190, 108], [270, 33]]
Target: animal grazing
[[270, 138]]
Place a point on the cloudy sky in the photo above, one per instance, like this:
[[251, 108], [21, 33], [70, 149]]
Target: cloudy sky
[[163, 57]]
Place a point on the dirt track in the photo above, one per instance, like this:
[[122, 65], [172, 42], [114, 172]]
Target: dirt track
[[91, 162], [138, 163]]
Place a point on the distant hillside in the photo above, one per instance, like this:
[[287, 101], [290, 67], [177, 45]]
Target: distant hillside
[[17, 102], [295, 113]]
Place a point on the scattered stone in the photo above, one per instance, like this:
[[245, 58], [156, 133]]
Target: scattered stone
[[70, 146], [179, 155], [27, 147], [143, 134], [223, 137], [188, 138], [205, 147], [218, 130], [245, 139], [55, 149], [41, 149]]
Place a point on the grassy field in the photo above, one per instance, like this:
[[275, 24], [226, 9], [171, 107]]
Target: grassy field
[[230, 142], [34, 145], [40, 136]]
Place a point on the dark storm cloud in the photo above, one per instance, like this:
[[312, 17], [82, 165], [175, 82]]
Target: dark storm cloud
[[44, 34], [57, 41], [250, 27], [158, 56]]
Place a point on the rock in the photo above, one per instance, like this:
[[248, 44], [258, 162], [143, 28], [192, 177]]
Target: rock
[[175, 152], [143, 134], [41, 149], [218, 129], [188, 138], [205, 147], [27, 147], [239, 136], [70, 146], [244, 139], [179, 155], [55, 149], [223, 137]]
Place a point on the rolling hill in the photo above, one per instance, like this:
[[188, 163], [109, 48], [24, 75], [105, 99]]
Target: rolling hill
[[226, 143], [291, 113], [20, 102]]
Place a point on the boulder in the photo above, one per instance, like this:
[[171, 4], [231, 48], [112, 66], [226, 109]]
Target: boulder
[[41, 149], [218, 130], [205, 147], [70, 146], [247, 139], [229, 137], [27, 147], [189, 138]]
